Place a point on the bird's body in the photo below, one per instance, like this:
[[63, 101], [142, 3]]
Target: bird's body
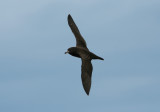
[[81, 51]]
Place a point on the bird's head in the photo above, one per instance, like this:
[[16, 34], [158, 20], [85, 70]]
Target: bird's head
[[71, 50]]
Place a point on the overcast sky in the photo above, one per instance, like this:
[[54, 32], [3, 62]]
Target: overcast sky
[[36, 75]]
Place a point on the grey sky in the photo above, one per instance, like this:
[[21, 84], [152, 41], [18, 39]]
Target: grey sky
[[36, 76]]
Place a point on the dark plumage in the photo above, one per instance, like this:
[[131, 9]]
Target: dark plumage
[[81, 51]]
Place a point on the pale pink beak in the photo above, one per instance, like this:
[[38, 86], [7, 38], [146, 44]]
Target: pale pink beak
[[66, 52]]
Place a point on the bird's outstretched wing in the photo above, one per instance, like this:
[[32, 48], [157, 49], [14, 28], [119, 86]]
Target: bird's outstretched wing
[[80, 42], [86, 75]]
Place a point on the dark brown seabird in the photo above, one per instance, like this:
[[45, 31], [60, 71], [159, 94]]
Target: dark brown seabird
[[81, 51]]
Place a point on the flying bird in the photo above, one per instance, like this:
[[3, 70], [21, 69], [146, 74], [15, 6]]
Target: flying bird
[[81, 51]]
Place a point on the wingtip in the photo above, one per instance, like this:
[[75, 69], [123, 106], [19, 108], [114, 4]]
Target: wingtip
[[69, 16], [87, 93]]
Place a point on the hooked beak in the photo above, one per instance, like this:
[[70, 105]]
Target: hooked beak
[[66, 52]]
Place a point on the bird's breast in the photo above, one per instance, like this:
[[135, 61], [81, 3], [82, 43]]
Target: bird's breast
[[75, 55]]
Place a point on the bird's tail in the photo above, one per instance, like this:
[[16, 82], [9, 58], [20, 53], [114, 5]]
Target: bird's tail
[[95, 56]]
